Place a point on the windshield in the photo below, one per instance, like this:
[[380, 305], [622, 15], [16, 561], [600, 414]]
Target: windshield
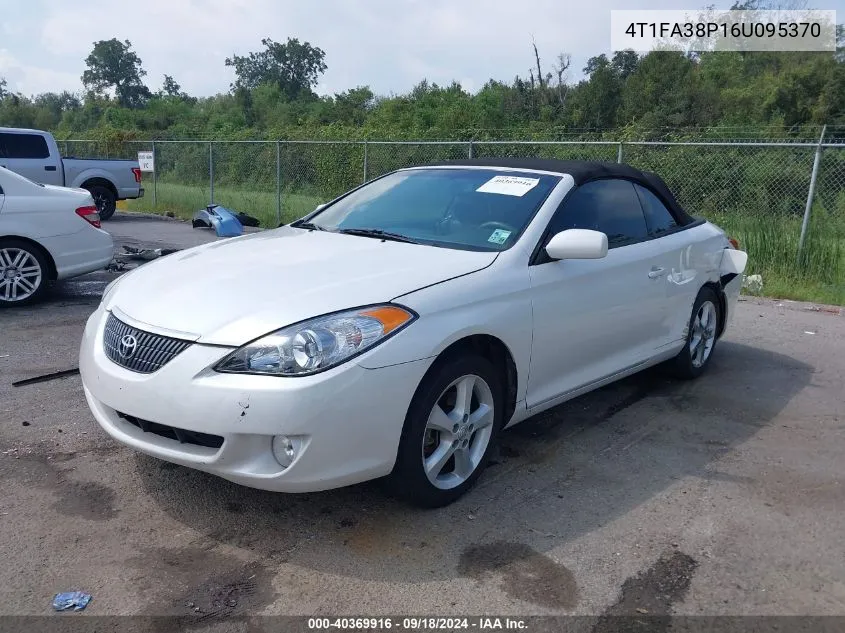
[[472, 209]]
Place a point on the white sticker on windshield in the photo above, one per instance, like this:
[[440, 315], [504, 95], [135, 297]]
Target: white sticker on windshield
[[509, 185], [499, 236]]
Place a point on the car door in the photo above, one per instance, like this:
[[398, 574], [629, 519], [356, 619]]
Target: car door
[[29, 155], [674, 262], [594, 318]]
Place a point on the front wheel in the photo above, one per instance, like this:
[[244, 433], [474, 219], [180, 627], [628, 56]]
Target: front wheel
[[450, 430], [105, 200], [703, 329]]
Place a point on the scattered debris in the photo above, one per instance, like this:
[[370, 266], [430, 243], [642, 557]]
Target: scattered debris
[[77, 600], [47, 377], [641, 610], [5, 355], [146, 254], [808, 332], [24, 423], [753, 284]]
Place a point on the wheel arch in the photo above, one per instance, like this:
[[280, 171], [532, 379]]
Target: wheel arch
[[51, 263], [497, 352], [723, 304], [99, 181]]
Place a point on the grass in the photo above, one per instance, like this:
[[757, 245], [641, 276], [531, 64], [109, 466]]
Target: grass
[[185, 200], [770, 240]]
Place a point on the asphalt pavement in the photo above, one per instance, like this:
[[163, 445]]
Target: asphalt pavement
[[651, 496]]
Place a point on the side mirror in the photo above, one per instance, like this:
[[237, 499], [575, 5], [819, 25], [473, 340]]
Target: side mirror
[[577, 244]]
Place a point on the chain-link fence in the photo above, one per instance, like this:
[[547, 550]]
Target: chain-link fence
[[784, 200]]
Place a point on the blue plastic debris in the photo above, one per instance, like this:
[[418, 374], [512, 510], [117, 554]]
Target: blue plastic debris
[[76, 599], [221, 219]]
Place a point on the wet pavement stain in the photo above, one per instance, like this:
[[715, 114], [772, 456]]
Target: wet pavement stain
[[647, 600], [87, 500], [84, 499], [179, 586], [525, 573], [241, 592]]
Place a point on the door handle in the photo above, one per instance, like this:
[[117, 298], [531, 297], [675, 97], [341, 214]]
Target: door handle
[[49, 168], [656, 272]]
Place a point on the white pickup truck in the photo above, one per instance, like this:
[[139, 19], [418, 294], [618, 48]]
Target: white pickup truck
[[35, 155]]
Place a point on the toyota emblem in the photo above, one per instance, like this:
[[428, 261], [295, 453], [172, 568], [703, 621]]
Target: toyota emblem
[[127, 346]]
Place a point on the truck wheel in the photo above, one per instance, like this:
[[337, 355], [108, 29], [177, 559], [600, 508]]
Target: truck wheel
[[105, 200]]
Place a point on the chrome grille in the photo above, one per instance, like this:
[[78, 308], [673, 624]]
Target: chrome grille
[[151, 351]]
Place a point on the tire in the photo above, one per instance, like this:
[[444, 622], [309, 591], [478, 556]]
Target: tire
[[24, 273], [105, 200], [475, 433], [693, 359]]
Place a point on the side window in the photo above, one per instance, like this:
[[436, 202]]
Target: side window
[[610, 206], [23, 146], [657, 216]]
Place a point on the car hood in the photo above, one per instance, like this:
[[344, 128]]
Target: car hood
[[232, 291]]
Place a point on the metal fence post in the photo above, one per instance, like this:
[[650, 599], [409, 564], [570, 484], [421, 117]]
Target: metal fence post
[[155, 178], [811, 193], [365, 160], [470, 150], [211, 172], [619, 153], [278, 183]]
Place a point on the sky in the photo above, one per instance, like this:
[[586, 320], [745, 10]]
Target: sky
[[389, 45]]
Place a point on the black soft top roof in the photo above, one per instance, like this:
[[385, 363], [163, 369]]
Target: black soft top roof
[[584, 171]]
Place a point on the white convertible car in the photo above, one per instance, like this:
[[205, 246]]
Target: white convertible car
[[46, 233], [398, 329]]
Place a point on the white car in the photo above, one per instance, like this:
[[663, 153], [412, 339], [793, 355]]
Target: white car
[[398, 329], [46, 233]]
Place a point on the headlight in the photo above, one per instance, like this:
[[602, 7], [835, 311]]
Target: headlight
[[317, 344]]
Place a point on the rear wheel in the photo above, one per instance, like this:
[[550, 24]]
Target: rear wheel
[[701, 336], [23, 273], [105, 200], [450, 430]]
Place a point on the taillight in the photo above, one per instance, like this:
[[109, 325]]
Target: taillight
[[734, 243], [136, 171], [90, 215]]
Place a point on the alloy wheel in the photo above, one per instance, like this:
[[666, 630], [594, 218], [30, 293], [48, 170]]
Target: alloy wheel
[[20, 274], [458, 432], [703, 334]]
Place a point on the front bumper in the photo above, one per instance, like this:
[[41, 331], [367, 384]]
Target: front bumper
[[347, 421]]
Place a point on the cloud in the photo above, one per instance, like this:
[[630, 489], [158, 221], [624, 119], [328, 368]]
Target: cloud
[[31, 80], [387, 44]]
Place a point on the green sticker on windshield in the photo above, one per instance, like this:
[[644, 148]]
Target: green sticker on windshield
[[499, 236]]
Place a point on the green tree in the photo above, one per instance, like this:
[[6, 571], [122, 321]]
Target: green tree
[[3, 91], [170, 88], [113, 64], [294, 66]]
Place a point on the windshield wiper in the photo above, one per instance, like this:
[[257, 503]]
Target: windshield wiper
[[378, 233], [308, 225]]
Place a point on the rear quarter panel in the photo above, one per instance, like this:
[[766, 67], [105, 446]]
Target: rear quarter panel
[[48, 218], [118, 172]]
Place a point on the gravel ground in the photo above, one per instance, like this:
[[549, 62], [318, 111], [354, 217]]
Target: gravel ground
[[720, 496]]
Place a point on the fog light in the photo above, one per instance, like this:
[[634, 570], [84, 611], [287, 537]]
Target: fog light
[[284, 449]]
